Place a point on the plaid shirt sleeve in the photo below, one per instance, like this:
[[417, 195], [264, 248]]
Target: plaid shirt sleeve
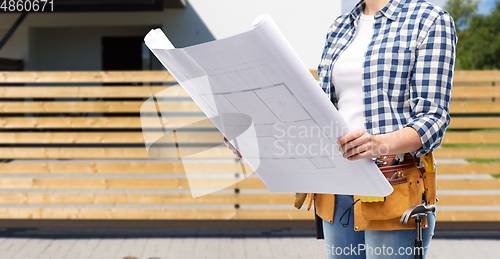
[[327, 56], [431, 83]]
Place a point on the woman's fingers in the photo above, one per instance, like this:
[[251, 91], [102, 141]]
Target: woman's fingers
[[236, 153], [361, 155], [364, 138], [350, 137], [356, 152], [232, 148], [357, 144]]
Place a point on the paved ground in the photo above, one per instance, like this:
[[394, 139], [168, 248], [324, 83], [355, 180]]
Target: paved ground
[[181, 243]]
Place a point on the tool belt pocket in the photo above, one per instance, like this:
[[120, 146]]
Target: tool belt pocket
[[430, 184], [407, 192], [393, 206]]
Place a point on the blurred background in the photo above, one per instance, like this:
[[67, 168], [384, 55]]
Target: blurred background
[[75, 178]]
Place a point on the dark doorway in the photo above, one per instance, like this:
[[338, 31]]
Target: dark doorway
[[122, 53]]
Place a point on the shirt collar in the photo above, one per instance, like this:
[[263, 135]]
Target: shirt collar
[[391, 10]]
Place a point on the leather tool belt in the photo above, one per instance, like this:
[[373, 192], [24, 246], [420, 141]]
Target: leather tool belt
[[409, 181], [412, 186]]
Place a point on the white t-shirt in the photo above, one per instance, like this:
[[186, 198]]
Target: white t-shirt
[[347, 74]]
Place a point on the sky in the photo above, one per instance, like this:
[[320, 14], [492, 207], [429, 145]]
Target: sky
[[484, 6]]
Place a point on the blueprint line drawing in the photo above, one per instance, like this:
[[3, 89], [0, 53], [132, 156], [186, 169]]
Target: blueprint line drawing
[[261, 97]]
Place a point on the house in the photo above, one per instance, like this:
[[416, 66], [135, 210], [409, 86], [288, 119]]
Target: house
[[72, 35]]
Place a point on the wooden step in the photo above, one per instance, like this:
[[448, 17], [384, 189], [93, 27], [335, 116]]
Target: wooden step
[[479, 92], [473, 168], [471, 138], [196, 152], [178, 122], [469, 200], [98, 107], [468, 153], [474, 107], [102, 122], [118, 198], [142, 214], [214, 214], [101, 137], [467, 216], [461, 107], [110, 153], [212, 198], [182, 183], [145, 167], [89, 91], [87, 77], [476, 76]]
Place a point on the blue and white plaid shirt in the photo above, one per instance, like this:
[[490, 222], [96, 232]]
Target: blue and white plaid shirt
[[408, 68]]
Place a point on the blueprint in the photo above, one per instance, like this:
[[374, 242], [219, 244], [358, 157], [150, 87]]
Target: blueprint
[[259, 94]]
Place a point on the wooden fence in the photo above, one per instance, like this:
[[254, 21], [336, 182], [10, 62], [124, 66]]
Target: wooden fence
[[74, 149]]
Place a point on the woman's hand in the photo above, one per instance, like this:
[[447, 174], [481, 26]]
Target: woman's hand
[[232, 148], [361, 144]]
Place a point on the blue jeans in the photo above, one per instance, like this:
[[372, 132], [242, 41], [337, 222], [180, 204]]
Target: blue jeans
[[344, 242]]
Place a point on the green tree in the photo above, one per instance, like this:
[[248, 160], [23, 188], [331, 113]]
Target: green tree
[[478, 45], [461, 11], [482, 41]]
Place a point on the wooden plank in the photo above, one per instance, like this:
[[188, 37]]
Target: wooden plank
[[87, 77], [101, 122], [469, 200], [471, 138], [475, 123], [111, 168], [204, 214], [443, 184], [251, 183], [468, 153], [489, 168], [152, 214], [474, 107], [275, 214], [266, 198], [476, 76], [108, 153], [203, 183], [91, 77], [115, 183], [98, 107], [469, 92], [89, 91], [118, 198], [460, 216], [177, 122], [73, 137], [101, 137], [469, 184], [179, 106], [213, 198]]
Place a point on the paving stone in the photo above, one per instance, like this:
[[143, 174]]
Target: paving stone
[[206, 244]]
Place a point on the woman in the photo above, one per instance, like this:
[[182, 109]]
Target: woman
[[387, 67]]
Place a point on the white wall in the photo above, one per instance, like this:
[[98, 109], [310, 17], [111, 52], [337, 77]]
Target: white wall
[[304, 23]]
